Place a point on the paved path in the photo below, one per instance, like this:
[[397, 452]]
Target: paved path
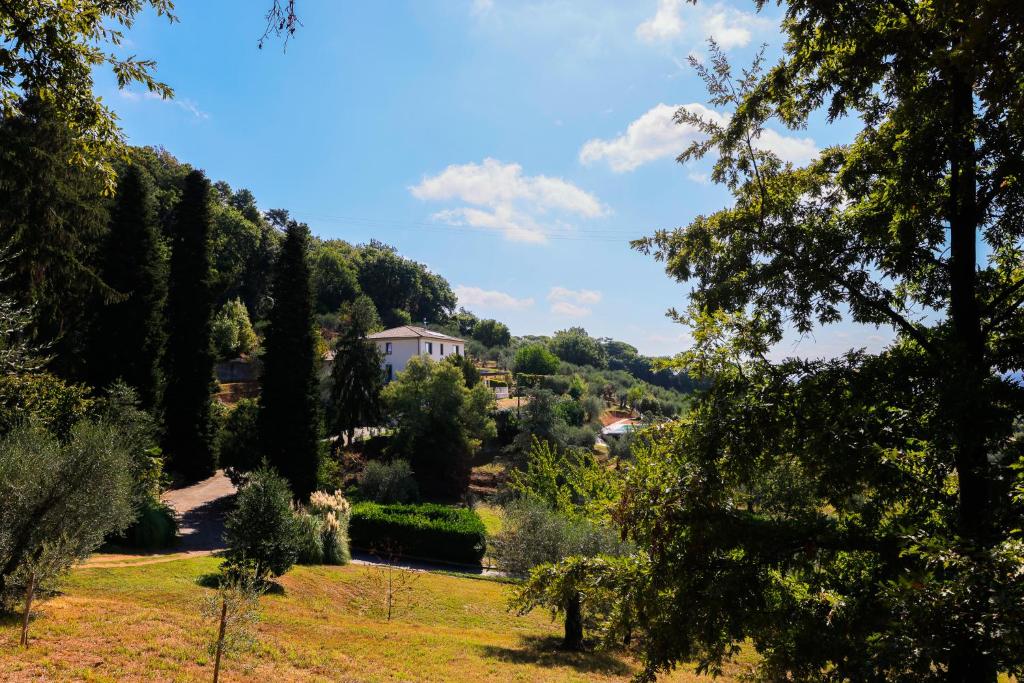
[[200, 510]]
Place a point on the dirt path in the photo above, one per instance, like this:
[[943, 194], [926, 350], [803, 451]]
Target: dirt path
[[200, 509]]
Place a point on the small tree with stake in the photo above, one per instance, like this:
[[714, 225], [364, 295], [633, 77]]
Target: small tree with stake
[[236, 608]]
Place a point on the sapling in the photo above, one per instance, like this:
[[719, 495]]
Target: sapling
[[235, 605]]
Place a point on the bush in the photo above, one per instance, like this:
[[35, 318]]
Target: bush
[[428, 531], [155, 527], [388, 482], [262, 529], [323, 529], [311, 542]]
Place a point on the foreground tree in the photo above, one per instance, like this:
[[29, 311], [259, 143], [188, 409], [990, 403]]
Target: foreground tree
[[356, 376], [128, 335], [852, 518], [289, 399], [52, 223], [189, 436], [58, 501]]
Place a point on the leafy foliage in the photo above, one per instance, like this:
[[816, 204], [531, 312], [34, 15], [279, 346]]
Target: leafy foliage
[[232, 332], [491, 333], [440, 423], [850, 517], [52, 50], [575, 346], [535, 359], [59, 499], [262, 532], [388, 482]]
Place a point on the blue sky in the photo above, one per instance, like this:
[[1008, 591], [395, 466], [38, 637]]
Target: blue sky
[[515, 147]]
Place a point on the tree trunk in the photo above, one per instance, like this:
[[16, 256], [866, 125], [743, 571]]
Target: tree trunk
[[967, 404], [30, 591], [220, 638], [573, 624]]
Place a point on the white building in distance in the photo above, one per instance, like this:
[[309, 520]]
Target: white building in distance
[[399, 344]]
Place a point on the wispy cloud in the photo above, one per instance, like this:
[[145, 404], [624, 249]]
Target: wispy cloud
[[489, 298], [656, 135], [498, 196], [481, 7], [185, 104], [573, 303]]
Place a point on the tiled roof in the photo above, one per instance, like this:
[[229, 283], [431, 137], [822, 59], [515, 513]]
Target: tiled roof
[[412, 332]]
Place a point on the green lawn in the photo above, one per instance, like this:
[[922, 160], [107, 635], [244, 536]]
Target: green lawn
[[143, 623]]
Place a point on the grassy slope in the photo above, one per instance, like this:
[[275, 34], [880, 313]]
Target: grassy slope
[[143, 623]]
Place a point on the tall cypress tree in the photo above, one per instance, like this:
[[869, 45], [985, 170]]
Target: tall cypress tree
[[128, 335], [189, 435], [289, 401]]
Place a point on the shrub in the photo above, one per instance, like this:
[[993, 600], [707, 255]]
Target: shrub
[[388, 482], [262, 529], [311, 542], [335, 539], [154, 528], [427, 530], [324, 529]]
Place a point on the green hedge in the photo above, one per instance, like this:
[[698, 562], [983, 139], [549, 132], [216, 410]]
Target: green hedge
[[427, 530]]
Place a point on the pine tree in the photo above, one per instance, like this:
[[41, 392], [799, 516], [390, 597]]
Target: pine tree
[[128, 335], [189, 436], [289, 402], [356, 377]]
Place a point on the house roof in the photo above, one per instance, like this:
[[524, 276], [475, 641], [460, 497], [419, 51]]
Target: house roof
[[412, 332]]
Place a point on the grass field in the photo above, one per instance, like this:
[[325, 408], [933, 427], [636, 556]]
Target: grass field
[[143, 623]]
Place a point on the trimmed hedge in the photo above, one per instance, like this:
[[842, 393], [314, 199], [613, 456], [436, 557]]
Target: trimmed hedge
[[427, 530]]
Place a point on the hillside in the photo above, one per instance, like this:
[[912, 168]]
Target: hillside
[[143, 623]]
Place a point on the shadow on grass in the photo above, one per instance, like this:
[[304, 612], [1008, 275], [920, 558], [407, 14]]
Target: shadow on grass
[[547, 651], [213, 579]]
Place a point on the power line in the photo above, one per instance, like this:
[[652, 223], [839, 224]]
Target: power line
[[602, 235]]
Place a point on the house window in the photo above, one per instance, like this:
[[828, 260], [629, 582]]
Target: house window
[[457, 353], [442, 349], [387, 348], [430, 348], [389, 372]]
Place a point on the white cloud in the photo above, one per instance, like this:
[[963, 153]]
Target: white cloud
[[574, 303], [500, 197], [729, 26], [489, 298], [664, 25], [656, 135], [569, 310], [699, 178], [652, 136]]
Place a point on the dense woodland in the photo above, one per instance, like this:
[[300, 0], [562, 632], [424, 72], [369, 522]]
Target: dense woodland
[[852, 518]]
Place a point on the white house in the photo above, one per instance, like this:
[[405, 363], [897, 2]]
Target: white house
[[399, 344]]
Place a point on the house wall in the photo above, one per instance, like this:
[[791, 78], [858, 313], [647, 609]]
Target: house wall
[[404, 349]]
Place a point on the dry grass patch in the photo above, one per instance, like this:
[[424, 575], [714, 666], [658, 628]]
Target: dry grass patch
[[143, 623]]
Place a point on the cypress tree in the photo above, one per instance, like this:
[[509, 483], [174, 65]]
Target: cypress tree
[[128, 334], [356, 377], [189, 435], [289, 400]]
